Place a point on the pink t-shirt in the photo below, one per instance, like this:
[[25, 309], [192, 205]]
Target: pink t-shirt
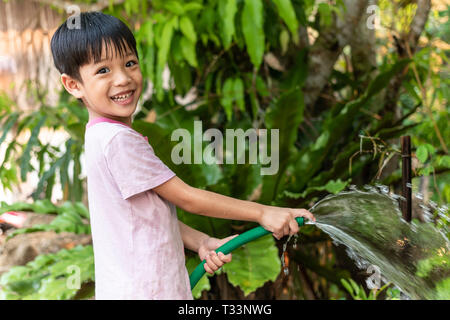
[[138, 249]]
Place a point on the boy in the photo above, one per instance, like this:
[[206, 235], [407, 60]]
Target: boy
[[137, 239]]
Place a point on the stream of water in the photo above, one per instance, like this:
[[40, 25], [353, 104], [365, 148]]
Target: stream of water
[[370, 224]]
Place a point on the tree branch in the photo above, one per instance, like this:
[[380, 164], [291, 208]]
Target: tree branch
[[328, 47]]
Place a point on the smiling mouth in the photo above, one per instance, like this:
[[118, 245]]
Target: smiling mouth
[[123, 98]]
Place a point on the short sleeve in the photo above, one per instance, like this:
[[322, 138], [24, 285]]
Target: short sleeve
[[134, 165]]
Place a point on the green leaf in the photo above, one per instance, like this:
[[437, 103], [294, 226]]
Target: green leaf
[[192, 6], [445, 161], [174, 7], [422, 153], [253, 29], [164, 45], [8, 125], [227, 11], [44, 206], [284, 40], [254, 264], [287, 13], [187, 28], [17, 206], [355, 286], [324, 10], [239, 93], [166, 38], [347, 286], [26, 156], [335, 186], [322, 141], [227, 97], [51, 171], [188, 50]]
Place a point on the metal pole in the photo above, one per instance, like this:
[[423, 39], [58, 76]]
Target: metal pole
[[406, 178]]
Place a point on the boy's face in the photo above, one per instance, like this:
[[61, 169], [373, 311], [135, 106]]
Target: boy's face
[[111, 88]]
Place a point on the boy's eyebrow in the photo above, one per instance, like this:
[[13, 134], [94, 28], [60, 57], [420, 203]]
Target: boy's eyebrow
[[130, 53]]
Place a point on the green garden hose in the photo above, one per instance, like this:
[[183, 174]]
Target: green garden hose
[[234, 243]]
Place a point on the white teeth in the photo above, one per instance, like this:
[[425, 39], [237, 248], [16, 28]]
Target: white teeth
[[122, 97]]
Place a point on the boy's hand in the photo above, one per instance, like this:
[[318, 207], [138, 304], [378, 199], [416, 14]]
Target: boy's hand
[[281, 221], [213, 260]]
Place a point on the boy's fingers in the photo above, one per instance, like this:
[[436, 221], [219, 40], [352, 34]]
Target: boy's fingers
[[216, 260], [211, 264], [305, 213], [294, 227], [225, 258], [208, 269]]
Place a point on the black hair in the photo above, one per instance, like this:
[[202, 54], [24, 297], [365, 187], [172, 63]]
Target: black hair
[[74, 46]]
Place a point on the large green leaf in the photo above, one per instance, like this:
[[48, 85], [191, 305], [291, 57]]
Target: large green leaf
[[254, 264], [253, 29]]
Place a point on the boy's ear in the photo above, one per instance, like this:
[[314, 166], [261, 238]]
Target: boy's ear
[[72, 86]]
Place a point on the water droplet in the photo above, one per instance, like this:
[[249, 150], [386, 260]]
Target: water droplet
[[384, 189]]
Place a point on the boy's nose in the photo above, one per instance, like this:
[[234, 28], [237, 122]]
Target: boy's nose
[[122, 78]]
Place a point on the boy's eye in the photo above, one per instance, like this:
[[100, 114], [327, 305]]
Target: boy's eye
[[131, 63], [103, 70]]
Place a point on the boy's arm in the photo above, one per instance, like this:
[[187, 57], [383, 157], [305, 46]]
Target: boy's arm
[[279, 221], [192, 238]]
